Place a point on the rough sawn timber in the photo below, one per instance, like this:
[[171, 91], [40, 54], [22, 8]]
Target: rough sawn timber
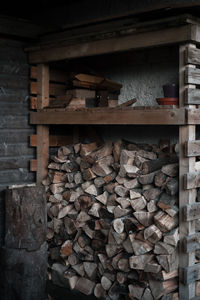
[[160, 116]]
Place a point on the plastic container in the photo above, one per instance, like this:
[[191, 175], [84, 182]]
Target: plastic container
[[171, 90]]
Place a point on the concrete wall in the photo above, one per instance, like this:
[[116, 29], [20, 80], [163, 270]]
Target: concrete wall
[[142, 74], [14, 118]]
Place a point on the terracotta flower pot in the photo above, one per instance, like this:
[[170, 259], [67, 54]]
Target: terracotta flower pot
[[167, 101]]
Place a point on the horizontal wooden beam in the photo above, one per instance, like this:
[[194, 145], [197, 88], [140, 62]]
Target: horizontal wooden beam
[[54, 140], [193, 116], [192, 56], [192, 148], [55, 52], [191, 212], [191, 180], [192, 96], [190, 274], [165, 116], [192, 242], [192, 75]]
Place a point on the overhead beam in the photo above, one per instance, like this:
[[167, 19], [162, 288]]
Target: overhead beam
[[159, 37]]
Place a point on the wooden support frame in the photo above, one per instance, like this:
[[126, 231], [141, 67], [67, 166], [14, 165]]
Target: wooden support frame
[[186, 197], [42, 131]]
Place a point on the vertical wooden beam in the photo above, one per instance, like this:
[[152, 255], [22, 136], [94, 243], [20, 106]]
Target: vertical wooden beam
[[186, 164], [42, 131]]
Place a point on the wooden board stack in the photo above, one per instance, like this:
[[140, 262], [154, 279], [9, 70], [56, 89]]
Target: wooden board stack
[[113, 220]]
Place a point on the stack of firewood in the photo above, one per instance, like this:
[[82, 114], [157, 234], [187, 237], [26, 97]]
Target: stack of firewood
[[113, 220]]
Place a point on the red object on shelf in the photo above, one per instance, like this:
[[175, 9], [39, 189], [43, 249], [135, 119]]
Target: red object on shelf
[[167, 101]]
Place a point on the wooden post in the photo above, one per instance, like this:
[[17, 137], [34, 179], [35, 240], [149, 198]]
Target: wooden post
[[42, 131], [186, 164], [24, 256]]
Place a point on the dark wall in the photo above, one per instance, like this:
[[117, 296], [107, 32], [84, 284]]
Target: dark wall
[[14, 128]]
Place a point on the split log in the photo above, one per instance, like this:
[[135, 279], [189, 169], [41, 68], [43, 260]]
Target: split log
[[145, 218], [172, 237], [118, 225], [135, 291], [147, 179], [154, 165], [139, 262], [138, 204], [152, 267], [166, 201], [121, 212], [121, 191], [123, 264], [99, 291], [134, 194], [140, 247], [85, 286], [159, 288], [168, 262], [127, 157], [163, 248], [90, 269], [160, 179], [152, 194], [103, 198], [164, 222], [117, 147], [172, 186], [152, 234], [151, 206], [170, 170], [86, 149]]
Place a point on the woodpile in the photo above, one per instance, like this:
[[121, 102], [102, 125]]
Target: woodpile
[[113, 220]]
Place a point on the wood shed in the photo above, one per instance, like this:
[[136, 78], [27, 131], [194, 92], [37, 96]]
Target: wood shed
[[100, 150]]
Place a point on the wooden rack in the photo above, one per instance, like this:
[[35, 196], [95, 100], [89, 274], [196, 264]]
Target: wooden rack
[[186, 116]]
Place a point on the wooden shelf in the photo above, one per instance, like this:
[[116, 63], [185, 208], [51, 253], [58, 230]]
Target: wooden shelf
[[108, 116]]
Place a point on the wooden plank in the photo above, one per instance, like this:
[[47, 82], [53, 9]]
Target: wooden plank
[[55, 75], [54, 140], [192, 75], [190, 274], [33, 165], [186, 197], [192, 96], [55, 89], [134, 41], [42, 131], [191, 212], [192, 180], [192, 56], [192, 148], [124, 116], [192, 242], [193, 116]]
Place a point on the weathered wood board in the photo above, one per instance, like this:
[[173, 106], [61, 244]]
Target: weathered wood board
[[192, 180], [26, 218], [191, 212], [192, 148]]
